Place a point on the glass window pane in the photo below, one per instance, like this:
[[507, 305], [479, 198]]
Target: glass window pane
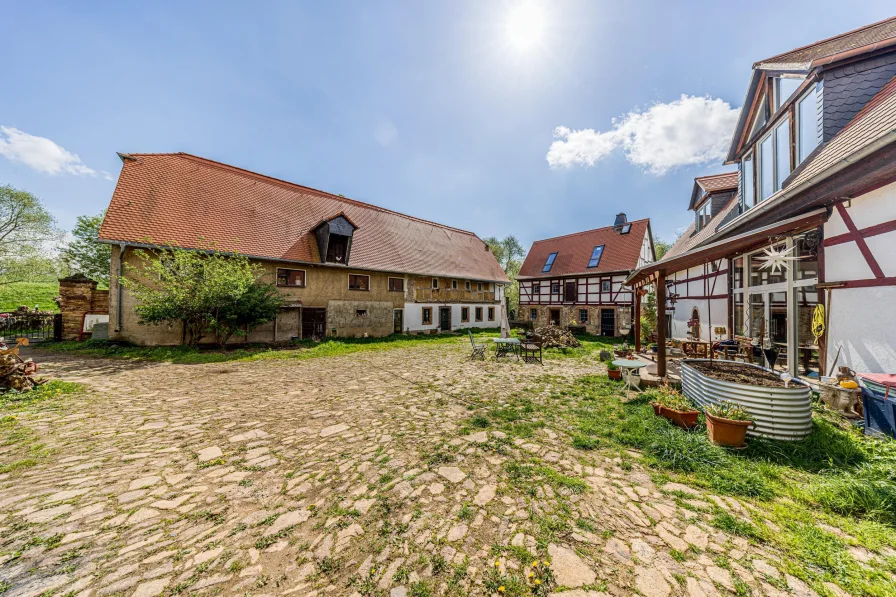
[[748, 198], [807, 350], [756, 329], [766, 169], [739, 315], [782, 152], [786, 88], [760, 276], [738, 273], [549, 262], [807, 119], [805, 249]]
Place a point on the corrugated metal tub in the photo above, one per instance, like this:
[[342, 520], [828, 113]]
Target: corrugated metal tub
[[779, 413]]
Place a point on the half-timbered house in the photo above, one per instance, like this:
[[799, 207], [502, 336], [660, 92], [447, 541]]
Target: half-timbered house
[[811, 247], [578, 279], [698, 296]]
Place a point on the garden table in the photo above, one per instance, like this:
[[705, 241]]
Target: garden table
[[505, 346], [628, 367]]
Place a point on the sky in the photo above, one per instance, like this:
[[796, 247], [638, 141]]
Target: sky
[[527, 117]]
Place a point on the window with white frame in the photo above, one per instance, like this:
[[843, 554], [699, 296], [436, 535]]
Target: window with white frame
[[784, 88], [703, 215], [555, 287], [605, 286], [536, 288], [748, 192], [774, 160], [807, 125]]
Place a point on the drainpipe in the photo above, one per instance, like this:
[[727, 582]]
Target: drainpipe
[[121, 247]]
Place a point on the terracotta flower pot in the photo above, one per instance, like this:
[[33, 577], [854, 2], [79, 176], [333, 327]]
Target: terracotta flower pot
[[686, 419], [657, 408], [727, 432], [614, 373]]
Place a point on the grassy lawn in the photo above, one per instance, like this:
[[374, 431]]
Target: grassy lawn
[[824, 503], [29, 294], [303, 350]]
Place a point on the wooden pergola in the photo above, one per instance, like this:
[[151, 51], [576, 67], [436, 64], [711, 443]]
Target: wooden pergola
[[655, 273]]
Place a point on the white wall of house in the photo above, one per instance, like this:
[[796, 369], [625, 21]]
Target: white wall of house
[[694, 286], [413, 314], [646, 255], [863, 320], [592, 290]]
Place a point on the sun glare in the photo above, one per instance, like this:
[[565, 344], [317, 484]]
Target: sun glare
[[525, 25]]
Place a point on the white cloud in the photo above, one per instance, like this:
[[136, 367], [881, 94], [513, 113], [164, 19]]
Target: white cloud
[[687, 131], [43, 154]]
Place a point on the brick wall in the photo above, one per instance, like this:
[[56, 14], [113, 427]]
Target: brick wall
[[78, 295]]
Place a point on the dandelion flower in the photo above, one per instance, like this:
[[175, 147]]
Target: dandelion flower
[[537, 582], [535, 564], [501, 589], [497, 563], [547, 562]]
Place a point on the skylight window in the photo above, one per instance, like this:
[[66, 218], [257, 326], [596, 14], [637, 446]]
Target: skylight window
[[549, 263], [626, 229], [595, 255]]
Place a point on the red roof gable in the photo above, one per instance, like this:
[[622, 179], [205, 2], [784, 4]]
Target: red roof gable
[[191, 201], [621, 252]]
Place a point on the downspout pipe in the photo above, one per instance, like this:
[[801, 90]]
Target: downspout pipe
[[121, 247]]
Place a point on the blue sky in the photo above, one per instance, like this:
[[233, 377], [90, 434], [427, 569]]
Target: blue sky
[[423, 107]]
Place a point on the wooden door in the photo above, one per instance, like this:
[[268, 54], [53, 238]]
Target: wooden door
[[398, 321], [607, 322], [571, 294], [314, 323], [445, 319]]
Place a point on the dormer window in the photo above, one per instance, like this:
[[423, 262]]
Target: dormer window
[[596, 254], [334, 239], [785, 87], [549, 263], [704, 214], [807, 125]]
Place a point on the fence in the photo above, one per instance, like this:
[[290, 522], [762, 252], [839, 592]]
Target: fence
[[36, 326]]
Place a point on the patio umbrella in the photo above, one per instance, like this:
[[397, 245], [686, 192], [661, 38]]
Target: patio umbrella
[[505, 325]]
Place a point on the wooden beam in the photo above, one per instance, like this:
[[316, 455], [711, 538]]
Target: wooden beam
[[661, 323], [637, 322]]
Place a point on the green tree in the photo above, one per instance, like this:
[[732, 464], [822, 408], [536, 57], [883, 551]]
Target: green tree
[[26, 230], [509, 253], [258, 305], [85, 254], [660, 247], [648, 316], [172, 284]]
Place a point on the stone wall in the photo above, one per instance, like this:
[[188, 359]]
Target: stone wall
[[353, 319], [78, 295], [570, 313]]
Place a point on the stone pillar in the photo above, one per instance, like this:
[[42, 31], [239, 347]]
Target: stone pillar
[[76, 297]]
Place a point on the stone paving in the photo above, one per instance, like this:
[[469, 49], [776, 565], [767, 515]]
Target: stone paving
[[317, 477]]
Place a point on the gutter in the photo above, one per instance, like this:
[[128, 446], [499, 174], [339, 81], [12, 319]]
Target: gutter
[[121, 247], [296, 261], [789, 193]]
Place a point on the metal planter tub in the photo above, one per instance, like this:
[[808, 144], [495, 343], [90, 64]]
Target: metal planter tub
[[779, 413]]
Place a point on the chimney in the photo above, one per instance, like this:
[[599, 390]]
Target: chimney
[[621, 221]]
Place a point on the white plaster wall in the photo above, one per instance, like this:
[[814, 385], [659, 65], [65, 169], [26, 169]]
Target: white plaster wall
[[844, 261], [646, 255], [861, 321], [413, 316], [717, 308]]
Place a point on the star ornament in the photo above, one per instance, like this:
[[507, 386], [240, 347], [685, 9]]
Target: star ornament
[[776, 260]]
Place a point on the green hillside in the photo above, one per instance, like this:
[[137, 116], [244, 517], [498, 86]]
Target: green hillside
[[29, 294]]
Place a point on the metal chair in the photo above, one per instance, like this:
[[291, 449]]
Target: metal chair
[[530, 350], [478, 349]]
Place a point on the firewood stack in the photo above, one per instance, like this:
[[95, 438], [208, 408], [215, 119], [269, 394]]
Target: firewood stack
[[556, 337], [17, 373]]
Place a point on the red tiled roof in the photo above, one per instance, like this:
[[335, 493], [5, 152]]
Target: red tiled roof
[[875, 120], [621, 252], [869, 36], [192, 202], [717, 182]]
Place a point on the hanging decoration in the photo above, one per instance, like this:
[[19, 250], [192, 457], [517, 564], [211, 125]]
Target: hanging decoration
[[818, 322], [776, 259]]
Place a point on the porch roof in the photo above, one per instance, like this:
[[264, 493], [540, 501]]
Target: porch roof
[[724, 248]]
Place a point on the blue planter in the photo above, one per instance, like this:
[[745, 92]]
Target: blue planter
[[880, 411]]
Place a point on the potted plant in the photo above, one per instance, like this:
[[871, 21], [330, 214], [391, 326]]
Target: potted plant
[[670, 403], [613, 372], [727, 423], [654, 348]]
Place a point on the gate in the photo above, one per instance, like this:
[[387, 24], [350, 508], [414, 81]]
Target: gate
[[607, 322], [36, 326], [314, 323]]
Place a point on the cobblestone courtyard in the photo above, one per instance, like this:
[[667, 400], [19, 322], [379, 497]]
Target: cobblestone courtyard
[[350, 475]]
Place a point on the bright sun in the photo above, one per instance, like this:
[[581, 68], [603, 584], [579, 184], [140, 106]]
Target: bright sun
[[525, 25]]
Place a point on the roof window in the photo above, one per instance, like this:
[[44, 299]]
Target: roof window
[[549, 263], [596, 254]]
